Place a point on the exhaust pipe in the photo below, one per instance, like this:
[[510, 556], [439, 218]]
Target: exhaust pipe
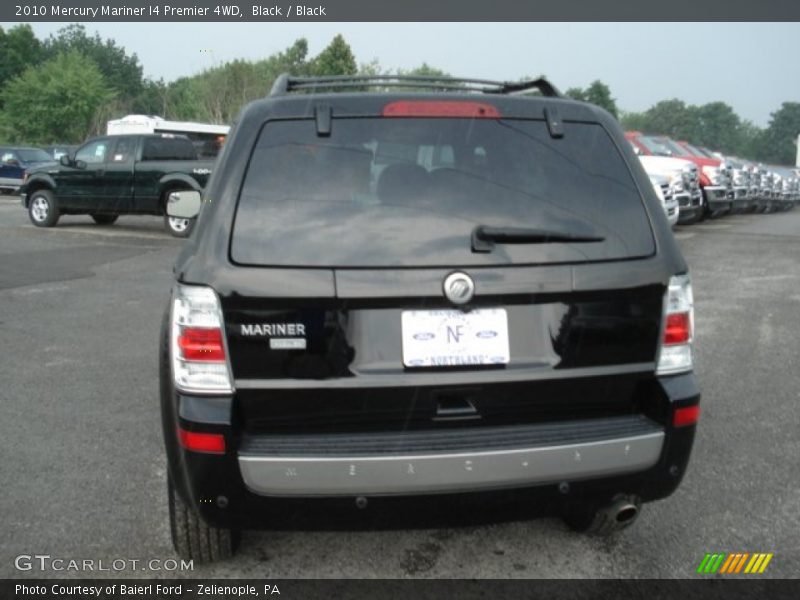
[[623, 511], [618, 514]]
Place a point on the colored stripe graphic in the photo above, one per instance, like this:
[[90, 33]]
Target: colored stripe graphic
[[764, 564], [703, 563], [753, 562], [726, 565], [717, 563], [734, 563], [740, 564], [710, 563]]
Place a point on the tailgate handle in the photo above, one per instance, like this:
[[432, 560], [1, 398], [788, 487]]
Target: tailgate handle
[[455, 408]]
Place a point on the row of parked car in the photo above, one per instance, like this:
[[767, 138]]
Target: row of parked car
[[695, 182]]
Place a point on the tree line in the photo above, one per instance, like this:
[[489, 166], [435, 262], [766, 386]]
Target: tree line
[[63, 89]]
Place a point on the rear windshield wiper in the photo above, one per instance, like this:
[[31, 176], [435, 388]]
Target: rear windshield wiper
[[484, 237]]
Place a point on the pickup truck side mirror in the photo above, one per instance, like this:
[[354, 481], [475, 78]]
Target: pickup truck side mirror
[[183, 205], [65, 160]]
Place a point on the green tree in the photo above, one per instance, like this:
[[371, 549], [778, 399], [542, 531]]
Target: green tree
[[597, 93], [747, 139], [293, 60], [371, 68], [154, 98], [56, 101], [716, 126], [423, 70], [19, 49], [576, 93], [672, 118], [121, 71], [633, 121], [183, 99], [777, 143], [336, 59], [218, 94]]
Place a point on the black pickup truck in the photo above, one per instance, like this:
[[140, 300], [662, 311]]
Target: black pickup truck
[[116, 175]]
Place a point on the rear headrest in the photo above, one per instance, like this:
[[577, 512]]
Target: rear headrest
[[403, 182], [348, 168]]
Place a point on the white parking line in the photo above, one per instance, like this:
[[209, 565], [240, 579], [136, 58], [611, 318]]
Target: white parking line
[[101, 232]]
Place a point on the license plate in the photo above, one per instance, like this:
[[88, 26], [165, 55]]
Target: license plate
[[446, 338]]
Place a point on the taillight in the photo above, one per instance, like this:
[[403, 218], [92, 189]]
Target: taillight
[[201, 344], [675, 351], [678, 329], [211, 443], [688, 415], [199, 358]]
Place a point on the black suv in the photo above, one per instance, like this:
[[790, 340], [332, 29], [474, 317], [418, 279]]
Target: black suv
[[451, 290]]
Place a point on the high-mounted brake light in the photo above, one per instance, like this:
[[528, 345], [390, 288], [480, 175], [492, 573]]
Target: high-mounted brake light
[[675, 351], [211, 443], [199, 358], [432, 108]]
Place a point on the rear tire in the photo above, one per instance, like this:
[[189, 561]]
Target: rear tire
[[43, 208], [192, 538], [179, 228], [105, 219]]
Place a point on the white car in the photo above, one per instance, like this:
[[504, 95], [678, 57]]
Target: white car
[[661, 184], [683, 184]]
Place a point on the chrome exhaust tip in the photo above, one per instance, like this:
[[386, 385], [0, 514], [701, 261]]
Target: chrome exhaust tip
[[622, 511]]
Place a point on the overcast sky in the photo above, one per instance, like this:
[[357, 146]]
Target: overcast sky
[[751, 66]]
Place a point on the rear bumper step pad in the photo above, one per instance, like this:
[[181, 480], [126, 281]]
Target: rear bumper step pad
[[448, 461]]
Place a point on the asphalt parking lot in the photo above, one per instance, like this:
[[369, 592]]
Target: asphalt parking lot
[[82, 474]]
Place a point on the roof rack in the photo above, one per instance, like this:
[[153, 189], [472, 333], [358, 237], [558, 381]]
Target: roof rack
[[286, 84]]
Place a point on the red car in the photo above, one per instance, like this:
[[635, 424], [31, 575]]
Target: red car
[[715, 175]]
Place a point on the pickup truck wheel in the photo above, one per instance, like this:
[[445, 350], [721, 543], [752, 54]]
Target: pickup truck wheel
[[179, 227], [192, 538], [43, 208], [105, 219]]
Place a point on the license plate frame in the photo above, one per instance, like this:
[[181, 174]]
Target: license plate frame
[[455, 338]]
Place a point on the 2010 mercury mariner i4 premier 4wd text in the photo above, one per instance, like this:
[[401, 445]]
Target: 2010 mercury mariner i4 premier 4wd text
[[417, 290]]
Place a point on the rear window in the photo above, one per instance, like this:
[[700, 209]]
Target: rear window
[[34, 155], [657, 147], [383, 192], [168, 148]]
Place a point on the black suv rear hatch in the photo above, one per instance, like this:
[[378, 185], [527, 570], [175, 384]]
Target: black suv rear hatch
[[379, 212]]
